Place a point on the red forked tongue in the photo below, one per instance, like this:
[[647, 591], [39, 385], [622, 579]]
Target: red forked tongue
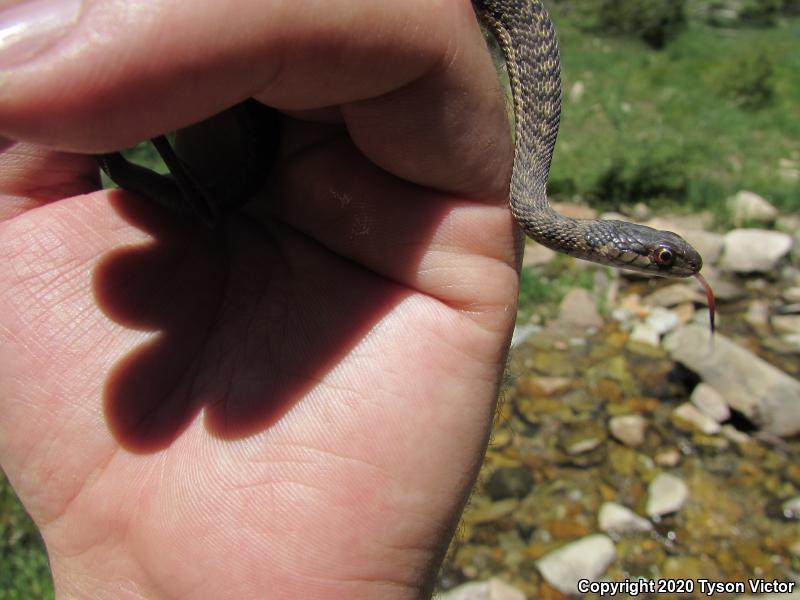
[[712, 306]]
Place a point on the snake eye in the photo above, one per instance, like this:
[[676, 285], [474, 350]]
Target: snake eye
[[664, 257]]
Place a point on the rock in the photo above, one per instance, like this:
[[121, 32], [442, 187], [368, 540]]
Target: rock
[[662, 320], [725, 290], [685, 312], [576, 211], [640, 211], [581, 437], [791, 509], [540, 385], [786, 323], [737, 437], [488, 513], [757, 315], [666, 494], [629, 429], [710, 402], [754, 250], [707, 243], [536, 254], [761, 392], [690, 417], [587, 558], [509, 482], [791, 294], [749, 208], [672, 295], [683, 225], [578, 307], [643, 333], [615, 518], [670, 457], [522, 333], [494, 589]]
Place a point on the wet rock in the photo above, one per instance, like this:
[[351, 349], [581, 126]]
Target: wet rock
[[565, 529], [582, 437], [511, 482], [579, 308], [750, 208], [493, 589], [628, 429], [488, 513], [536, 385], [754, 250], [615, 518], [710, 402], [669, 457], [537, 409], [689, 417], [587, 558], [786, 323], [762, 393], [666, 494], [757, 315], [644, 333], [662, 320]]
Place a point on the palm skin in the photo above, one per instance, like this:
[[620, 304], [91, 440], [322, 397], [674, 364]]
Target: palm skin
[[294, 406]]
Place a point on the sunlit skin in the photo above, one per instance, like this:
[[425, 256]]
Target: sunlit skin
[[298, 407]]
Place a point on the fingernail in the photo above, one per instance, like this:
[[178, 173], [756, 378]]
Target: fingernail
[[30, 27]]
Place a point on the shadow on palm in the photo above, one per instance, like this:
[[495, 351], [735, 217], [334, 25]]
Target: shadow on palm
[[246, 320]]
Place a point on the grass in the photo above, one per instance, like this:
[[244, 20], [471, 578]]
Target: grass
[[682, 128], [24, 570]]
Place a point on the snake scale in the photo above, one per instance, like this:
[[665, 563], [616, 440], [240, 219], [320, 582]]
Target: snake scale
[[529, 43]]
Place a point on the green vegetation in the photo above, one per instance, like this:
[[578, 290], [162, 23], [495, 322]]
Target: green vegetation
[[24, 570], [656, 22], [541, 288], [682, 128]]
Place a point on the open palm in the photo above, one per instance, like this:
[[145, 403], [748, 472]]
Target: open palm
[[294, 406]]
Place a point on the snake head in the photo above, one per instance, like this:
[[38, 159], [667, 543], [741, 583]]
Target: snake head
[[644, 249]]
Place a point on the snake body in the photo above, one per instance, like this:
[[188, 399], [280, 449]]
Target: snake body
[[528, 40]]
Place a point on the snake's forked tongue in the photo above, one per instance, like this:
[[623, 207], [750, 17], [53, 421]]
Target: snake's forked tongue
[[712, 305]]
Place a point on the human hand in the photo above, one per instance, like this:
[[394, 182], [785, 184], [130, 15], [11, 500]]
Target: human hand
[[298, 406]]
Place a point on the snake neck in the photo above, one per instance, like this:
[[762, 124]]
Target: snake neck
[[528, 40]]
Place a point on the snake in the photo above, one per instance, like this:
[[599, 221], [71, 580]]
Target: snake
[[529, 43]]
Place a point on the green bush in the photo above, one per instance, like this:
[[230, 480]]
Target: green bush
[[758, 13], [748, 81], [655, 21], [646, 178]]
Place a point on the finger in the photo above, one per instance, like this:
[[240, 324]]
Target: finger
[[412, 75], [446, 247], [31, 176]]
